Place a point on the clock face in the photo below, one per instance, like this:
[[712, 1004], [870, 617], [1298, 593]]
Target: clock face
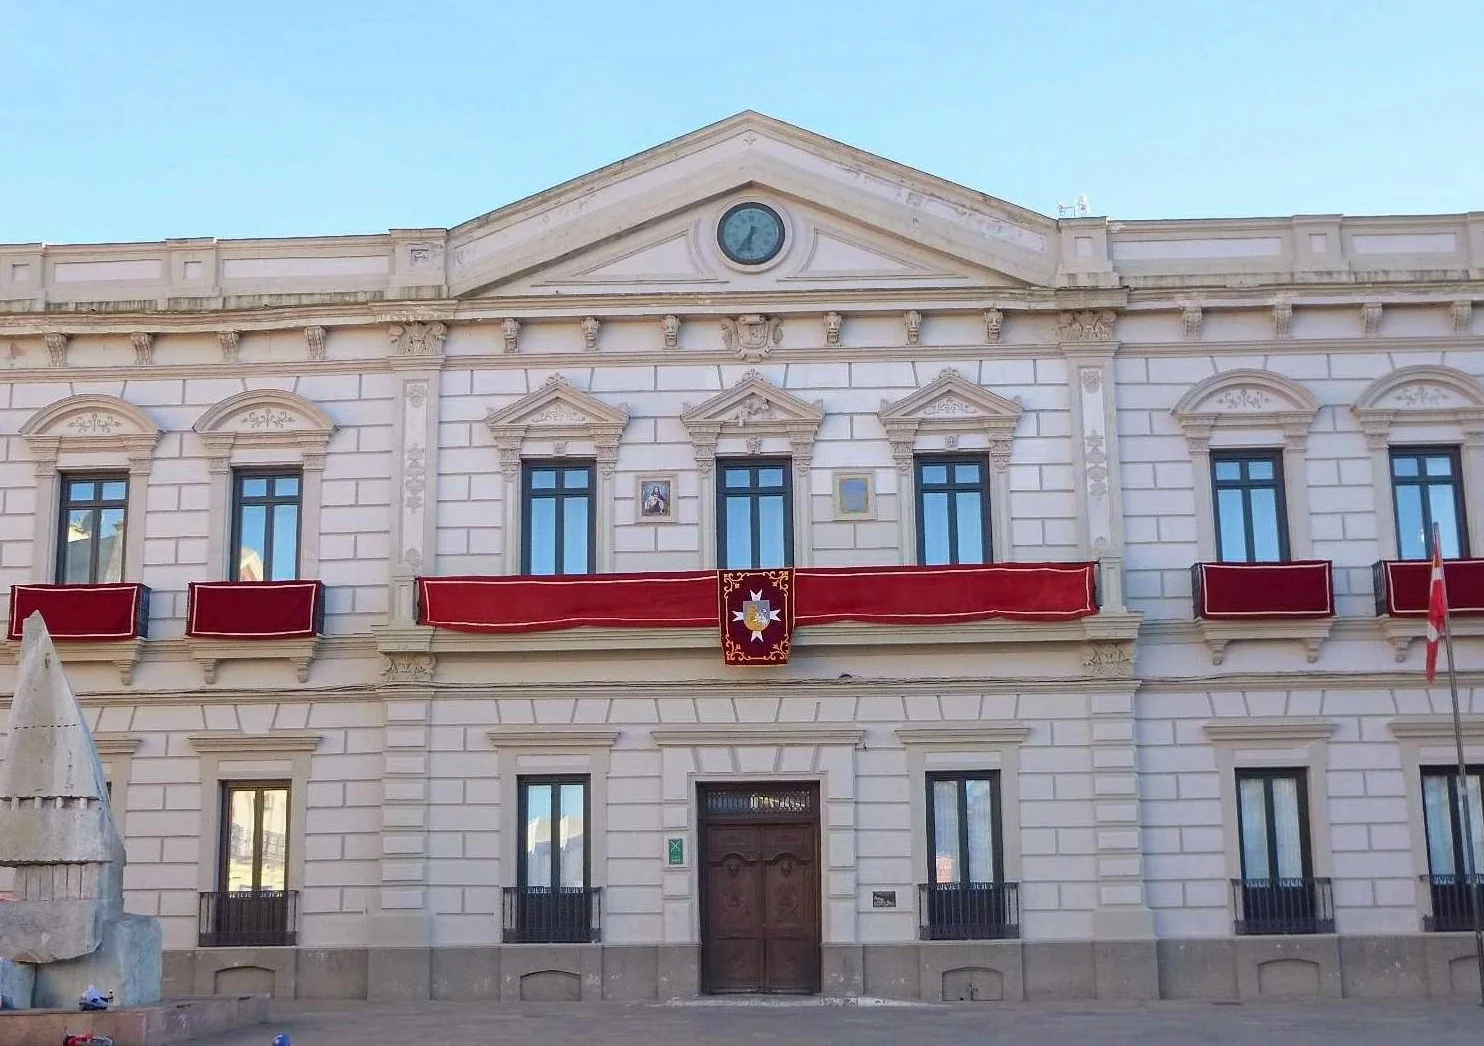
[[750, 234]]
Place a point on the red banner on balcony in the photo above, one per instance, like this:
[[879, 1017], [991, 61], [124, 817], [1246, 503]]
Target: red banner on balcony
[[1250, 591], [82, 611], [255, 609], [757, 616], [689, 599], [1401, 587], [945, 595], [685, 599]]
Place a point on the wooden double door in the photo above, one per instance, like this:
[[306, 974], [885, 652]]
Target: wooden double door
[[760, 888]]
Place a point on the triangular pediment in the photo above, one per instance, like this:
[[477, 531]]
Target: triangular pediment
[[558, 405], [951, 397], [852, 218], [753, 405]]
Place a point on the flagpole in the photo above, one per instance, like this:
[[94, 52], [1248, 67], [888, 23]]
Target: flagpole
[[1472, 883]]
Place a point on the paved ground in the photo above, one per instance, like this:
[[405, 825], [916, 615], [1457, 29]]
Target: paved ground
[[805, 1024]]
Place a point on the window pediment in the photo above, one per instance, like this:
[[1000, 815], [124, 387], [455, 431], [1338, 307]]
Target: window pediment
[[89, 423], [1246, 399], [753, 408], [558, 411], [950, 404], [1420, 395], [264, 418]]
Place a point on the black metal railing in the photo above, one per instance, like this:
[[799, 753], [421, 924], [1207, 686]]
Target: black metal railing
[[249, 919], [1282, 906], [541, 915], [968, 911], [1452, 908]]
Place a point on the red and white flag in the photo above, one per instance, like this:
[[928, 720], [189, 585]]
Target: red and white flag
[[1437, 610]]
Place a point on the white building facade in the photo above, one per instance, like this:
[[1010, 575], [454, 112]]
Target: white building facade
[[753, 347]]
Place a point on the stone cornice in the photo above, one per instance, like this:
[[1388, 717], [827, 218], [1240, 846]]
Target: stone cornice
[[117, 744], [702, 734], [1435, 728], [964, 733], [1270, 731], [276, 743], [551, 735]]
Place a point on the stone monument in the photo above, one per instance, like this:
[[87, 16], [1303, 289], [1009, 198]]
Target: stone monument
[[66, 927]]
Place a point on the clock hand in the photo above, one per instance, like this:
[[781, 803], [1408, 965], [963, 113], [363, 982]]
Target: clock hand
[[747, 240]]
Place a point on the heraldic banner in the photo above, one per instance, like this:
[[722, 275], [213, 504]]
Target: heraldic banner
[[757, 616]]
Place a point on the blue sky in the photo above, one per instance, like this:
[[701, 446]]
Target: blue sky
[[165, 118]]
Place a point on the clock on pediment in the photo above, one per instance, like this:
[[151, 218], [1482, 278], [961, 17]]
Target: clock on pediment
[[750, 233]]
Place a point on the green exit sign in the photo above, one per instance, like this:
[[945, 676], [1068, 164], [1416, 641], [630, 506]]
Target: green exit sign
[[675, 851]]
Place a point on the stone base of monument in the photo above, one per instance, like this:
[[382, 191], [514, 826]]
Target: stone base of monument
[[126, 963], [174, 1020]]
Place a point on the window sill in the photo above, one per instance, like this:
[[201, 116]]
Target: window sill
[[1217, 635], [210, 653]]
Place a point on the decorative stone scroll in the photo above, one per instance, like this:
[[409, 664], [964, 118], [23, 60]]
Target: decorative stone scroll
[[314, 341], [1087, 325], [1191, 317], [229, 341], [752, 336], [56, 348], [1462, 313], [417, 339], [144, 348]]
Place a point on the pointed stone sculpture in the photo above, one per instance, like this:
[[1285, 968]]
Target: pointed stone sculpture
[[66, 923]]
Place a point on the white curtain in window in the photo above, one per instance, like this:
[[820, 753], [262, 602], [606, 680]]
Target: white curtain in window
[[1254, 814], [1287, 831]]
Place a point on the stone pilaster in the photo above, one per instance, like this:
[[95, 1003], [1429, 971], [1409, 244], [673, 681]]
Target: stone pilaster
[[416, 358], [1088, 348]]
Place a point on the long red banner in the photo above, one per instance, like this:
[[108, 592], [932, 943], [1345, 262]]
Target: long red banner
[[690, 599]]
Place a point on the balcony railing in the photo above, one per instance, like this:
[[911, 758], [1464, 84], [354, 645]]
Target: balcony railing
[[1263, 591], [249, 919], [1452, 909], [541, 915], [1401, 587], [968, 911], [1283, 906]]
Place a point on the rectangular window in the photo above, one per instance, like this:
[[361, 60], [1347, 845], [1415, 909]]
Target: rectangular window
[[252, 906], [1427, 488], [559, 515], [952, 510], [1454, 822], [265, 525], [754, 514], [1251, 521], [90, 545], [552, 900], [255, 837], [966, 897], [1277, 893]]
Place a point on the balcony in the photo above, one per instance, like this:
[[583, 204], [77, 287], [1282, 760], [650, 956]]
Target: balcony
[[249, 919], [1452, 905], [1276, 601], [968, 911], [1283, 906], [254, 620], [91, 623], [81, 613], [542, 915], [1401, 599]]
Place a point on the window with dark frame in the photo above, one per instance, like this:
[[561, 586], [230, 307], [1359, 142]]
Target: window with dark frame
[[252, 905], [1277, 893], [558, 517], [966, 896], [754, 518], [265, 525], [92, 524], [1251, 518], [1427, 489], [952, 510], [552, 900], [1451, 875]]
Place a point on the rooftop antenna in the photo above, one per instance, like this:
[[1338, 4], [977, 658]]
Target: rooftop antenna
[[1080, 208]]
